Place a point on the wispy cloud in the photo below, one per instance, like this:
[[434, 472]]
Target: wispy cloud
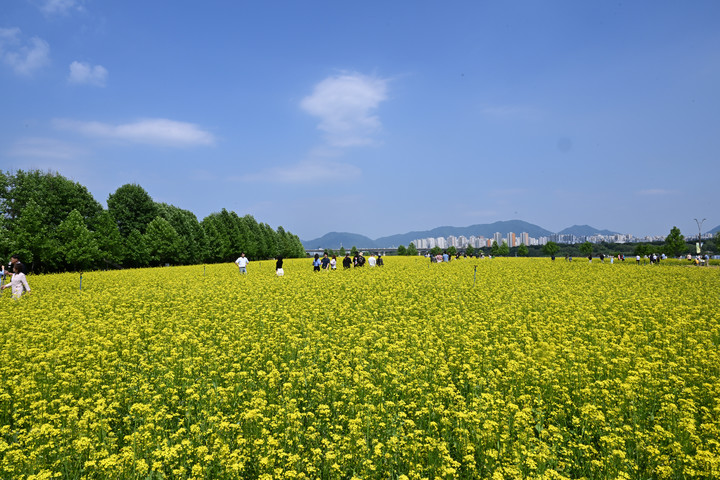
[[657, 191], [23, 56], [154, 131], [85, 74], [58, 7], [346, 104], [44, 148], [304, 172]]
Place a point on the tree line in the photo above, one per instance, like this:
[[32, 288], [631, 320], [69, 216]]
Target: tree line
[[55, 224]]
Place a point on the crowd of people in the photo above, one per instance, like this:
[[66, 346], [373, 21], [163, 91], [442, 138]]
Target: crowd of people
[[324, 263], [18, 283]]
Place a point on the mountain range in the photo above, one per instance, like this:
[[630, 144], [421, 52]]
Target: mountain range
[[335, 240]]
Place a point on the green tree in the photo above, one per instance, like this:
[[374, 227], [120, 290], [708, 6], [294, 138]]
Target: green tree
[[469, 251], [494, 249], [76, 244], [193, 243], [504, 250], [522, 250], [411, 250], [228, 236], [586, 248], [136, 252], [54, 194], [270, 240], [342, 251], [132, 208], [162, 241], [255, 245], [434, 251], [675, 243], [108, 239], [452, 251], [354, 251], [550, 248], [297, 248], [642, 249], [29, 236], [284, 243], [401, 250]]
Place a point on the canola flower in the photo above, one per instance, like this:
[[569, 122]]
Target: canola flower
[[546, 370]]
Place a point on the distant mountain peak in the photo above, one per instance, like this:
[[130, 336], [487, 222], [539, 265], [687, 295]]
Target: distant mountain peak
[[584, 231]]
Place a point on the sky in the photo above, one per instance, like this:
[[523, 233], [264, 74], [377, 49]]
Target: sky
[[375, 117]]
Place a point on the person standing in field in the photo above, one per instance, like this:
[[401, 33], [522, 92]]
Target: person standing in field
[[371, 260], [380, 262], [333, 263], [242, 262], [18, 283], [279, 266], [325, 262], [347, 261], [316, 263], [14, 259]]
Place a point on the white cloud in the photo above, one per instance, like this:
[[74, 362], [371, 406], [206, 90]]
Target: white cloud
[[306, 171], [24, 57], [154, 131], [86, 74], [345, 104], [58, 7]]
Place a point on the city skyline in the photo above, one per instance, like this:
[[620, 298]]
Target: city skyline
[[424, 240]]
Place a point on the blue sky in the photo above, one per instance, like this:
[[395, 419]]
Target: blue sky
[[375, 117]]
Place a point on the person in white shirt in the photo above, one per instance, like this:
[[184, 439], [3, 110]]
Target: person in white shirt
[[371, 260], [18, 283], [242, 262]]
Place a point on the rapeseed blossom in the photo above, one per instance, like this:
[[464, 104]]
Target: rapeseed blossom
[[546, 370]]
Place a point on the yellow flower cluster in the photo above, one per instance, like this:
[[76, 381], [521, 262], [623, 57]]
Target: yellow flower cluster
[[532, 369]]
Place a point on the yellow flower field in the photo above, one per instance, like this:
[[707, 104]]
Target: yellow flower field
[[540, 370]]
